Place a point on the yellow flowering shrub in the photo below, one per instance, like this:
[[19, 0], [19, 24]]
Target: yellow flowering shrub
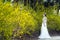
[[15, 20]]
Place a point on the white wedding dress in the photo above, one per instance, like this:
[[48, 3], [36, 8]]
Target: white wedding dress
[[44, 30]]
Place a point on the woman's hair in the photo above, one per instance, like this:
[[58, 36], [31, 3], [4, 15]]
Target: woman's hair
[[45, 14]]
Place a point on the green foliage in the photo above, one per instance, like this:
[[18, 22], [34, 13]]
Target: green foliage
[[54, 22]]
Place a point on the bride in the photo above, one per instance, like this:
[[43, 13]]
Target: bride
[[44, 30]]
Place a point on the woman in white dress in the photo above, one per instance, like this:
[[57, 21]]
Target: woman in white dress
[[44, 30]]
